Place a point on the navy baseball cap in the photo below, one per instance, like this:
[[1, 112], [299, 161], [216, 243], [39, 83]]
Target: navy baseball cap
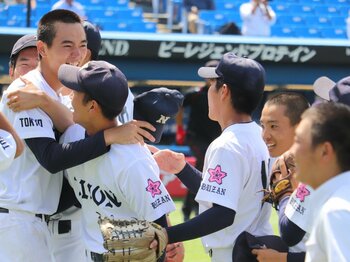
[[103, 81], [157, 106], [240, 72], [246, 242], [331, 91], [23, 43], [93, 38]]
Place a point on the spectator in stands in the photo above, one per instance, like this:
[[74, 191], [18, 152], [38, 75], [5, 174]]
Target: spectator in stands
[[14, 2], [201, 131], [192, 9], [257, 17], [70, 5]]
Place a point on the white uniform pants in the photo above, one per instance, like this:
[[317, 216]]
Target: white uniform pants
[[221, 254], [24, 237], [67, 240]]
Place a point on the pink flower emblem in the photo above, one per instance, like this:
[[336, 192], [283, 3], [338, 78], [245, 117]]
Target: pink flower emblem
[[216, 174]]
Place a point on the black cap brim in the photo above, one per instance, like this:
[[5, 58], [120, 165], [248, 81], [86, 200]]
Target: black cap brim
[[68, 75]]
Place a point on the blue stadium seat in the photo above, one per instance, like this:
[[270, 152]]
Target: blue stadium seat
[[338, 21], [114, 26], [331, 32], [145, 27], [319, 21], [16, 11], [307, 32], [282, 31], [290, 20], [300, 9], [326, 10], [281, 8], [345, 3]]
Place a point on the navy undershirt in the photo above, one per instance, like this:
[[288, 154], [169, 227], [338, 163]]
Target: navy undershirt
[[206, 222]]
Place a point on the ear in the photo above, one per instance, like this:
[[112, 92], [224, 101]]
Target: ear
[[41, 46], [225, 92], [326, 152], [94, 107], [11, 71]]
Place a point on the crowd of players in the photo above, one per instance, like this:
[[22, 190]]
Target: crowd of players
[[58, 176]]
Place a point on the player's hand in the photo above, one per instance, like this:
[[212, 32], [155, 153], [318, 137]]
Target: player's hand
[[169, 161], [26, 98], [129, 133], [269, 255], [175, 252]]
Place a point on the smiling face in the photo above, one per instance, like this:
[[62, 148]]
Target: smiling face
[[278, 133], [26, 61], [68, 47]]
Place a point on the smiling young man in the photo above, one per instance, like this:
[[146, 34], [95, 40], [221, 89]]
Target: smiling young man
[[322, 153], [30, 191]]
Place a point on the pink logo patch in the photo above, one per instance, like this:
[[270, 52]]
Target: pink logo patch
[[216, 174], [302, 192], [153, 187]]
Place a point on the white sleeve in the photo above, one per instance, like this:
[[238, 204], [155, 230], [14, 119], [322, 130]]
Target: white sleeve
[[73, 133], [223, 179], [145, 191], [298, 209], [128, 111], [32, 123], [7, 149]]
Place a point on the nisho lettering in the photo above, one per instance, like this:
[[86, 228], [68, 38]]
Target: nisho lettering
[[28, 122], [213, 189], [160, 201]]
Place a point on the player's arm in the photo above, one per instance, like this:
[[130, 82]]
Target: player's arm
[[204, 224], [56, 157], [5, 125], [290, 232], [30, 97]]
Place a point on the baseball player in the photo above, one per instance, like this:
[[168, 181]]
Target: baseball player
[[279, 118], [11, 146], [24, 56], [124, 189], [321, 149], [235, 163], [31, 191]]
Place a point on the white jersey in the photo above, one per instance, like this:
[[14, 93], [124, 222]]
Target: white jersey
[[123, 183], [329, 239], [232, 177], [26, 185], [7, 149], [298, 210]]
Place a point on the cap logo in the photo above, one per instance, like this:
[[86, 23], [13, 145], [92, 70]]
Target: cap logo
[[163, 119]]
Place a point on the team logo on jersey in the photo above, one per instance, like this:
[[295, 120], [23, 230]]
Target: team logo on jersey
[[302, 192], [216, 174], [28, 122], [153, 187]]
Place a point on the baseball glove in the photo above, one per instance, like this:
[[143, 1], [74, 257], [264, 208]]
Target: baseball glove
[[129, 240], [282, 180]]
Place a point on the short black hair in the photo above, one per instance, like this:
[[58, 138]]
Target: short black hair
[[330, 122], [106, 112], [46, 29], [295, 104]]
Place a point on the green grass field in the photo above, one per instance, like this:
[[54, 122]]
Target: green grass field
[[194, 251]]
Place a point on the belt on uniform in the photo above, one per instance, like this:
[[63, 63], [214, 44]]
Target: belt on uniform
[[96, 257], [64, 226], [41, 216]]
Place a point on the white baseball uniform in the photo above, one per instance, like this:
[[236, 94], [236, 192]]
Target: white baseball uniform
[[7, 149], [232, 177], [330, 239], [298, 210], [122, 184], [66, 227], [26, 187]]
